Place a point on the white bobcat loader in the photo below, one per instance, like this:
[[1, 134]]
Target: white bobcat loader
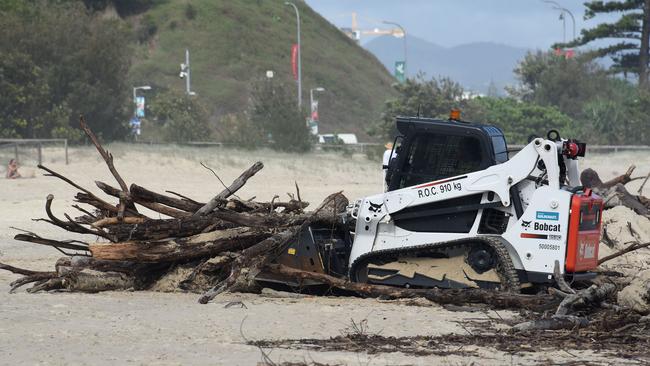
[[460, 213]]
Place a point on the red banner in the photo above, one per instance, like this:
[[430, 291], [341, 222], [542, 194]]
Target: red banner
[[294, 60], [567, 53]]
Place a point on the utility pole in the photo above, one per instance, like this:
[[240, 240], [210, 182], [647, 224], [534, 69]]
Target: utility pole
[[299, 53], [186, 74]]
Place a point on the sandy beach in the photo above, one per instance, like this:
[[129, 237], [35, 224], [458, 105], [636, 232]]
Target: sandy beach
[[172, 328]]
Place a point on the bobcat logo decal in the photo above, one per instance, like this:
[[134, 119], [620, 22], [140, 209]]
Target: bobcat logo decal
[[374, 207], [525, 224]]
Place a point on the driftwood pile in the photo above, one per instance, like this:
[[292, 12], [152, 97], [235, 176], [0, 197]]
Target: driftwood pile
[[227, 241], [224, 244]]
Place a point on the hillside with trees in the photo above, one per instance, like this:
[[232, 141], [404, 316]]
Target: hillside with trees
[[233, 43], [63, 58]]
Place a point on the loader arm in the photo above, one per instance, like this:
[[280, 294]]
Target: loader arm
[[497, 178]]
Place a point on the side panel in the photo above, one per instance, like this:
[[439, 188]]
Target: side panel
[[584, 233], [540, 235]]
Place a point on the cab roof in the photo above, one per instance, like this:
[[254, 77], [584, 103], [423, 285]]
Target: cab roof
[[408, 124]]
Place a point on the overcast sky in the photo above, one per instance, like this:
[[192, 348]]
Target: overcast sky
[[523, 23]]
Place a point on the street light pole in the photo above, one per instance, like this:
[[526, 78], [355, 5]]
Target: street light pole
[[186, 73], [404, 35], [563, 19], [564, 10], [299, 52], [188, 80]]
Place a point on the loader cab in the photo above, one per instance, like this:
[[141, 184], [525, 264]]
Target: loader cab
[[433, 149]]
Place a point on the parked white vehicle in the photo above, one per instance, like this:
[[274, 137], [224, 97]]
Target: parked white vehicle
[[331, 138]]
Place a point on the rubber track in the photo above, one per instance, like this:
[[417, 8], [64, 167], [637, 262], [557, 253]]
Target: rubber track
[[505, 268]]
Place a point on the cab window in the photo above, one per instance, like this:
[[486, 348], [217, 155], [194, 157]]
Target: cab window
[[433, 157], [500, 149]]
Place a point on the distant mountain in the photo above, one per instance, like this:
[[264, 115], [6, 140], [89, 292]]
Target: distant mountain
[[473, 65]]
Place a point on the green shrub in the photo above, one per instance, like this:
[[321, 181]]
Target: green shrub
[[190, 11], [274, 112], [240, 130], [519, 120], [147, 29], [181, 118]]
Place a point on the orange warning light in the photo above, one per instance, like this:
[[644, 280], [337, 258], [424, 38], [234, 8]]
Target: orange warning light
[[454, 114]]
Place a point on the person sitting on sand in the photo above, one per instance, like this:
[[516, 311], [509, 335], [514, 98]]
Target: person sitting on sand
[[12, 170]]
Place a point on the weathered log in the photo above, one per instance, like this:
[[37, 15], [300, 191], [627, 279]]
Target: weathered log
[[85, 196], [112, 191], [238, 205], [108, 157], [185, 198], [30, 279], [230, 190], [87, 218], [619, 195], [630, 248], [589, 178], [630, 201], [139, 194], [183, 249], [292, 206], [142, 274], [328, 215], [252, 219], [644, 201], [91, 281], [108, 221], [171, 212], [29, 276], [67, 244], [20, 271], [640, 190], [106, 209], [496, 299], [168, 228], [593, 295], [78, 263], [55, 283], [553, 323], [559, 279], [70, 225]]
